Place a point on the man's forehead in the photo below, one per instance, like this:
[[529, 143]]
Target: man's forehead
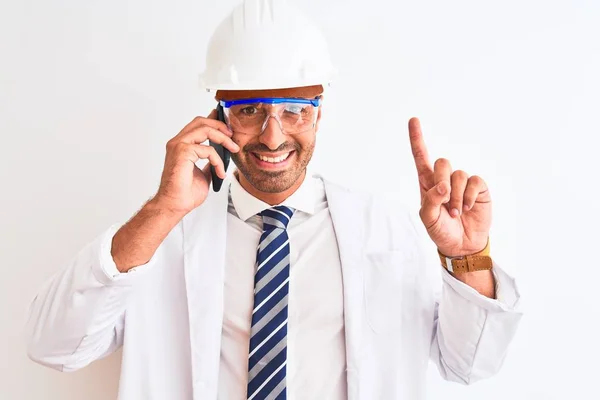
[[301, 92]]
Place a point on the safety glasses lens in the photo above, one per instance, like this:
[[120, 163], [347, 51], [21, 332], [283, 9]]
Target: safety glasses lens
[[251, 118]]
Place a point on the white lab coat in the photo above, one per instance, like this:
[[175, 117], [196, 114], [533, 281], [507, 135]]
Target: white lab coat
[[168, 314]]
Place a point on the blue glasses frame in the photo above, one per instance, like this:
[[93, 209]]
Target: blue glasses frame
[[272, 100]]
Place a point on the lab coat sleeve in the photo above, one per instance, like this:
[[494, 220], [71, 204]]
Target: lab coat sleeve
[[472, 333], [77, 316]]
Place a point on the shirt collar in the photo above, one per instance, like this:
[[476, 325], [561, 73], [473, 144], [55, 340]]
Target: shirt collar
[[246, 205]]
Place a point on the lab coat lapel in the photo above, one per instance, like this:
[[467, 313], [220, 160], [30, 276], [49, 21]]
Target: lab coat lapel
[[204, 242], [350, 240]]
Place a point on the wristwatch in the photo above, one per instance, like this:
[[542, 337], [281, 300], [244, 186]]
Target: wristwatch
[[474, 262]]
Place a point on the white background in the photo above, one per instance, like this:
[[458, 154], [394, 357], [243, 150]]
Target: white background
[[90, 91]]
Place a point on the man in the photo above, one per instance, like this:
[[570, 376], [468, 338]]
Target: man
[[281, 283]]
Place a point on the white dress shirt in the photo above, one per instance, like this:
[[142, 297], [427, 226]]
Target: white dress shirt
[[316, 360]]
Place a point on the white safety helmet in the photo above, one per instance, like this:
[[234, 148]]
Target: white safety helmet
[[266, 44]]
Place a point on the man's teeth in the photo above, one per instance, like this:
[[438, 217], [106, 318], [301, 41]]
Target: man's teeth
[[273, 160]]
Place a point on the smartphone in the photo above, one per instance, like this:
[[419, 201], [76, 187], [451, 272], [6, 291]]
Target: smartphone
[[222, 152]]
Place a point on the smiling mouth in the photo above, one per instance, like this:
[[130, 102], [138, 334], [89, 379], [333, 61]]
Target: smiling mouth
[[273, 160]]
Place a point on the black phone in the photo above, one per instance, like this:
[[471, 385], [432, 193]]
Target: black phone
[[222, 152]]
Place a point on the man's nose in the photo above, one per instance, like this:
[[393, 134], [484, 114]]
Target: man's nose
[[272, 136]]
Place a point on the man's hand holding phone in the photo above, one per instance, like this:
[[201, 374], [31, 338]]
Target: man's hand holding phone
[[183, 187]]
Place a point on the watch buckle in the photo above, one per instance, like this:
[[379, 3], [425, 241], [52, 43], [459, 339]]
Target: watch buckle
[[449, 266]]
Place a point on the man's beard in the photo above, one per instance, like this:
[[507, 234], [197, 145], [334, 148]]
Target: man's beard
[[273, 181]]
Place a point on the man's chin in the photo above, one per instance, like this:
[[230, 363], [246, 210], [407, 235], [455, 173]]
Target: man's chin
[[271, 181]]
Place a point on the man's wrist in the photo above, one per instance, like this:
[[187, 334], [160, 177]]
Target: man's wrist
[[474, 262], [482, 281], [136, 242]]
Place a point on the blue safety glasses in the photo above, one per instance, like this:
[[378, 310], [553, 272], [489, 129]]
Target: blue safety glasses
[[251, 116]]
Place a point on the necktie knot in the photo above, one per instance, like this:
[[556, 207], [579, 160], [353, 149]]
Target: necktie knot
[[277, 217]]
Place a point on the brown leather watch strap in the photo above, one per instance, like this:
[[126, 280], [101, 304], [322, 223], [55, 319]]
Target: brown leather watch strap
[[475, 262], [468, 264]]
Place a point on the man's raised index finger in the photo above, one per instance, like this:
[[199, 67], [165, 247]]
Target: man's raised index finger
[[419, 149]]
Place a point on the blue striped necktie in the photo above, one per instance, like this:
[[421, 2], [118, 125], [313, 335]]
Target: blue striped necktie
[[268, 340]]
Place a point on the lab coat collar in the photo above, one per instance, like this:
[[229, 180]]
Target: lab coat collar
[[246, 205]]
